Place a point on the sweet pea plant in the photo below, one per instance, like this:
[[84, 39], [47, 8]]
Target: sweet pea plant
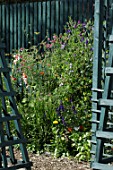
[[53, 83]]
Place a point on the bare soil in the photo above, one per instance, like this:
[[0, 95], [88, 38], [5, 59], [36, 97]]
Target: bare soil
[[47, 162]]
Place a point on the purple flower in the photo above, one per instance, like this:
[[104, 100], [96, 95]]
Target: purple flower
[[61, 107], [71, 100], [68, 31], [86, 42], [83, 24], [74, 110], [63, 121], [75, 26], [79, 22], [91, 49], [63, 46], [82, 39]]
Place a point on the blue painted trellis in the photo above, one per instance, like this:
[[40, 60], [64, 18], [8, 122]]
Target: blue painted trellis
[[10, 128], [102, 90]]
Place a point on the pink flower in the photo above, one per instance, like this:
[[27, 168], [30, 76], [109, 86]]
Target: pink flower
[[47, 45], [79, 22], [17, 58], [54, 37], [53, 41], [21, 49], [51, 45]]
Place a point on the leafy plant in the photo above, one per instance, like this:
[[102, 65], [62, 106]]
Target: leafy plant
[[53, 83]]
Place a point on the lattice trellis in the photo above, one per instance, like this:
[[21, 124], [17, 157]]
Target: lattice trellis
[[10, 128], [102, 90]]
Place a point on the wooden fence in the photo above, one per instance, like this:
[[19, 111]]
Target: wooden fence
[[20, 22]]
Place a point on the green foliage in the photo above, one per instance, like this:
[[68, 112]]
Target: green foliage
[[53, 85]]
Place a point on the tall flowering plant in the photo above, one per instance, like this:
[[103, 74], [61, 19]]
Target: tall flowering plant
[[56, 78]]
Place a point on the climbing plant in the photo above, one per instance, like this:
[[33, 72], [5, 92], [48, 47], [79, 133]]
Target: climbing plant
[[55, 97]]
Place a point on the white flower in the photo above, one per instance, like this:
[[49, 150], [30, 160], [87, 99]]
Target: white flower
[[63, 46], [70, 65], [61, 84]]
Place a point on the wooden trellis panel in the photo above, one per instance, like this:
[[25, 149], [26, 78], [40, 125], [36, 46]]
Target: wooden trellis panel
[[102, 91], [10, 128]]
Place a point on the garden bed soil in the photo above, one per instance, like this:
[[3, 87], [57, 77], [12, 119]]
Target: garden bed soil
[[47, 162]]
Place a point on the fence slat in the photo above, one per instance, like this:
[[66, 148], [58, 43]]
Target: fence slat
[[7, 28], [3, 22], [71, 8], [0, 22], [35, 22], [19, 26], [23, 25], [48, 18], [27, 24], [44, 20], [40, 20], [31, 23], [52, 17], [66, 11], [57, 16], [61, 16], [75, 10], [15, 26], [11, 27]]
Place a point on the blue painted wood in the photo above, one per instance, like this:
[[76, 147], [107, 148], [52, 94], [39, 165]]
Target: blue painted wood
[[97, 61], [101, 166], [102, 131]]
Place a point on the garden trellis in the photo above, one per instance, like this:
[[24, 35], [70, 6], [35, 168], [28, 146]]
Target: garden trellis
[[21, 21], [9, 121], [102, 91]]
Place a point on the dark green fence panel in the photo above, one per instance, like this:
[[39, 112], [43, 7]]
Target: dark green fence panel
[[21, 22], [39, 20], [35, 22], [57, 19]]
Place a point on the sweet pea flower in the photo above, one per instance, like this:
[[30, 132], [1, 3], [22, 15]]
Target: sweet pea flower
[[79, 22], [63, 46]]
